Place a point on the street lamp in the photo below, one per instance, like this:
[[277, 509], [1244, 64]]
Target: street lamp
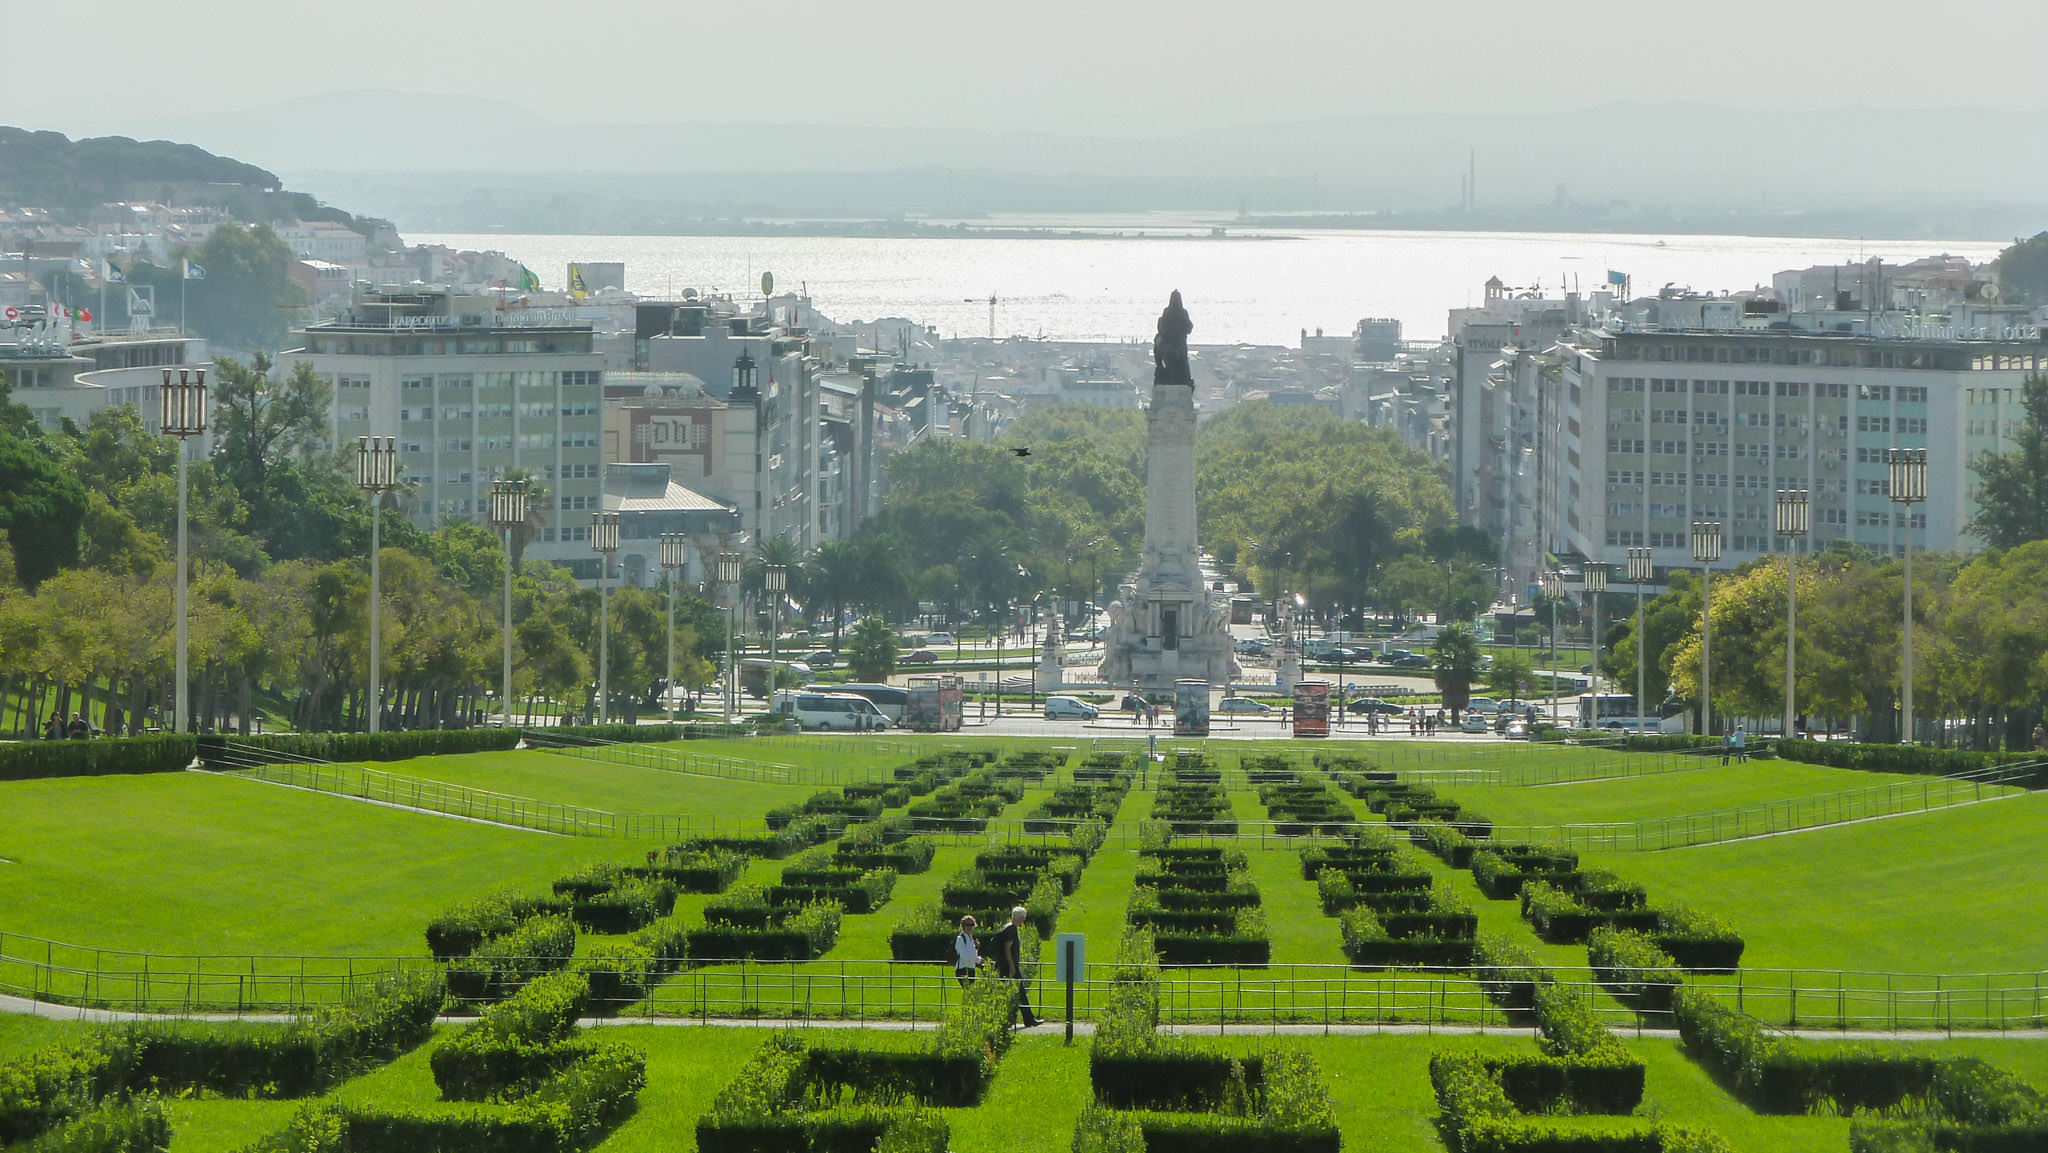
[[1793, 511], [1908, 487], [1642, 566], [675, 553], [1553, 590], [1596, 583], [604, 540], [376, 474], [1706, 549], [183, 415], [778, 581], [729, 576], [509, 500]]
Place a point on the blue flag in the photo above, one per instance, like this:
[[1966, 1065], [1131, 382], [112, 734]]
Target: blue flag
[[1614, 277], [193, 271]]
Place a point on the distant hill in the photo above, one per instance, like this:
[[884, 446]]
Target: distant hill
[[70, 177]]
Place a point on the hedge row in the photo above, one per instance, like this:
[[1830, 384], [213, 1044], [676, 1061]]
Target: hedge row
[[1777, 1076], [744, 924], [617, 734], [1077, 802], [1182, 1089], [1631, 965], [1200, 906], [166, 753], [504, 963], [794, 1095], [353, 747], [793, 837], [459, 931], [51, 1087], [1440, 933], [574, 1110], [1299, 806], [1405, 804], [1502, 870], [1192, 800], [1922, 760], [517, 1044], [621, 972]]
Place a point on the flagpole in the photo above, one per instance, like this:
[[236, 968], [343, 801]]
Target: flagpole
[[184, 275]]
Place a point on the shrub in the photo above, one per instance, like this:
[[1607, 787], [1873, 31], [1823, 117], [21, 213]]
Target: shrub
[[460, 930], [1696, 940], [1367, 942], [167, 753], [135, 1125], [1447, 843], [1562, 918], [502, 964], [1918, 759], [354, 747], [1102, 1130], [610, 734], [1508, 972], [1634, 968], [1566, 1025], [628, 905], [516, 1044]]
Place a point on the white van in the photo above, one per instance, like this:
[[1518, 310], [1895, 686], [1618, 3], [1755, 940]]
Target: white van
[[829, 710]]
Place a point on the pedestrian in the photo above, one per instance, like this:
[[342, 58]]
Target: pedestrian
[[1740, 739], [54, 731], [966, 954], [1727, 746], [2040, 737], [1009, 952], [80, 729]]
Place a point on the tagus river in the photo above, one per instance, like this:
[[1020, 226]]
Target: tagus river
[[1249, 285]]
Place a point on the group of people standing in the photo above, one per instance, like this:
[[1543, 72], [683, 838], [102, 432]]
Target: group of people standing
[[78, 730], [1006, 951]]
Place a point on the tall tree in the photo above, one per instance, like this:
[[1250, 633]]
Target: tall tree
[[1454, 659], [2012, 487], [42, 506], [873, 656]]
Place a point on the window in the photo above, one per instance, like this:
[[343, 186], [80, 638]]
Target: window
[[1874, 391], [1791, 388], [1874, 487], [454, 444], [1752, 388], [1623, 446], [1666, 539], [1916, 425], [1676, 509], [1912, 395], [1831, 391], [1873, 424]]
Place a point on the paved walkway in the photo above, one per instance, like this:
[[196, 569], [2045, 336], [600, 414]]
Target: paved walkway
[[23, 1005]]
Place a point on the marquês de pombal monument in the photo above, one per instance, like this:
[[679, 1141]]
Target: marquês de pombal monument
[[1164, 625]]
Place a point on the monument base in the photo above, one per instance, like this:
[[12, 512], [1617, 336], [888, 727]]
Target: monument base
[[1161, 635]]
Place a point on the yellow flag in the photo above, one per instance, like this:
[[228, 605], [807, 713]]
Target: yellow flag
[[577, 288]]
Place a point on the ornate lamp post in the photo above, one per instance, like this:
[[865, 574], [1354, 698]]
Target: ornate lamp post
[[778, 583], [1793, 510], [376, 474], [509, 500], [729, 576], [1641, 568], [183, 415], [675, 553], [1596, 583], [1553, 590], [1706, 549], [1908, 488], [604, 540]]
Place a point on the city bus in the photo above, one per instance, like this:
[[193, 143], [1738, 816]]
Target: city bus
[[1616, 712], [888, 698]]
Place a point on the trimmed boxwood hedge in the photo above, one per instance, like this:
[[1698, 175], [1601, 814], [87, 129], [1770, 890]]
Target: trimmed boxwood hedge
[[1922, 760], [166, 753], [42, 1091], [517, 1044], [459, 931], [502, 964], [1633, 968], [353, 747], [613, 734], [1500, 871]]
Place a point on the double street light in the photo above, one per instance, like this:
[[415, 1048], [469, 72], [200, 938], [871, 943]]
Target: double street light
[[509, 507], [778, 583], [1642, 568], [183, 415], [1706, 549], [1553, 591], [1793, 512], [604, 540], [1908, 488], [1596, 583], [376, 474], [729, 576], [675, 553]]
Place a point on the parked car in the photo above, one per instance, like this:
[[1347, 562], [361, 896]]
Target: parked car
[[1473, 722], [921, 657], [822, 659], [1486, 705], [1070, 709], [1514, 706], [1243, 705]]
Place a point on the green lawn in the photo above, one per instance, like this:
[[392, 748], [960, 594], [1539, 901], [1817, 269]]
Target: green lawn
[[193, 863], [617, 788], [1710, 786], [1954, 891]]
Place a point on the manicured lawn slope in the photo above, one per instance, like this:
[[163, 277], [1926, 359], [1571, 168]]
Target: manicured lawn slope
[[194, 863], [1713, 786]]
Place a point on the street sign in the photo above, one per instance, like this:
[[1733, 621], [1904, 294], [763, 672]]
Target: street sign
[[1063, 957]]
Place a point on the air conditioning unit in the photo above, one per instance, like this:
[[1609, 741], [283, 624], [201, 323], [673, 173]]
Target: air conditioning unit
[[1831, 466]]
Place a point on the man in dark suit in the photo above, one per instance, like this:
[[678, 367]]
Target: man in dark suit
[[1009, 954]]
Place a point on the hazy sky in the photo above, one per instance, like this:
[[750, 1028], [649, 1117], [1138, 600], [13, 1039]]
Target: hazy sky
[[1071, 66]]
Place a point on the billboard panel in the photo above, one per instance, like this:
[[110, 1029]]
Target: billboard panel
[[1191, 708], [1312, 709]]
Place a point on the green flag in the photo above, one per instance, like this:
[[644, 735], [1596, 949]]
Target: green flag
[[528, 282]]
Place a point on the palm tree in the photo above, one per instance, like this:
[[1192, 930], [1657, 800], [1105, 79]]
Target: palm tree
[[831, 573]]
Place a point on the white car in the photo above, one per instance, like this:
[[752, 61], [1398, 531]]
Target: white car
[[1070, 709], [1244, 705], [1473, 722]]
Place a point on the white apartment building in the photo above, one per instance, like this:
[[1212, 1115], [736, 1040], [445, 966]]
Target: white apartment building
[[469, 395], [1622, 437]]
